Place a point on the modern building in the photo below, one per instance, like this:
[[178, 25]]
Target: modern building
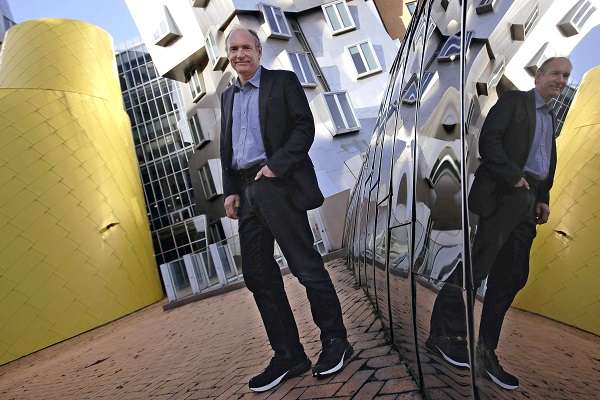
[[164, 145], [340, 50], [408, 227], [6, 19], [75, 248], [562, 104]]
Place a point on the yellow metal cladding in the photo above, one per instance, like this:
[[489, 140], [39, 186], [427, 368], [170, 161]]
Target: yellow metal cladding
[[564, 282], [75, 246]]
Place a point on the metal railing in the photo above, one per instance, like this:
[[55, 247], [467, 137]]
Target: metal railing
[[217, 266]]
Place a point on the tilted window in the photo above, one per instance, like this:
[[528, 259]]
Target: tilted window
[[338, 16], [276, 21], [364, 59], [341, 111], [302, 68]]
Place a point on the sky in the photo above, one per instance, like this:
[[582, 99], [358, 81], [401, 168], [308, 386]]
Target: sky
[[113, 16]]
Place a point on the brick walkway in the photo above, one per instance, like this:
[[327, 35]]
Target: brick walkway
[[208, 350]]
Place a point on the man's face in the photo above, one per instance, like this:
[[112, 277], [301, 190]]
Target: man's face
[[551, 82], [243, 53]]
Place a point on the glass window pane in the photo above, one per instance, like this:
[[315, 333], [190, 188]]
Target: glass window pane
[[333, 18], [296, 66], [335, 112], [271, 19], [357, 59], [369, 56], [343, 99], [281, 21], [310, 78], [344, 13]]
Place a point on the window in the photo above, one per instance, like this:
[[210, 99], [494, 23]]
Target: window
[[341, 111], [216, 232], [216, 57], [199, 3], [365, 61], [338, 16], [450, 51], [302, 69], [167, 31], [573, 21], [520, 31], [276, 22], [196, 84], [207, 182], [485, 6], [196, 130], [410, 94], [412, 7]]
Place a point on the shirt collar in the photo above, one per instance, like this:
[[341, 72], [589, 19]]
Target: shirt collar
[[539, 100], [254, 81]]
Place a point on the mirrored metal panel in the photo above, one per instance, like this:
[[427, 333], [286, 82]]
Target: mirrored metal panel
[[481, 299], [441, 324]]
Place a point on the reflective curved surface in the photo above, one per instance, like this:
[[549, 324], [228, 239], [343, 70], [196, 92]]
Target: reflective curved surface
[[409, 231]]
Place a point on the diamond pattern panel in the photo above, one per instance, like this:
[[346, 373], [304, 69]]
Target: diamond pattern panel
[[564, 282], [75, 247], [62, 55]]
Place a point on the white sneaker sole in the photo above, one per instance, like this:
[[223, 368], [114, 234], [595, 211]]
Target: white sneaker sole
[[453, 361], [500, 383], [270, 385]]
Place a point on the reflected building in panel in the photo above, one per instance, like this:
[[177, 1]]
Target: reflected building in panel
[[341, 52], [6, 19], [408, 230]]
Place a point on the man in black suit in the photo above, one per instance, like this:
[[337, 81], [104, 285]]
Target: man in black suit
[[510, 194], [269, 183]]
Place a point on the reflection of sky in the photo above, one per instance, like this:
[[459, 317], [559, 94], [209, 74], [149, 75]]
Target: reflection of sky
[[586, 55]]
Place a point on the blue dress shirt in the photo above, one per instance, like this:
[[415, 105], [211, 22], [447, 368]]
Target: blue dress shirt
[[248, 147]]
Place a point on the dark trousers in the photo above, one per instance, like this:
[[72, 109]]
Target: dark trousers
[[267, 214], [500, 253]]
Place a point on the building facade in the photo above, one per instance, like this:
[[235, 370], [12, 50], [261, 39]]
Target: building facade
[[340, 51], [408, 227], [6, 19]]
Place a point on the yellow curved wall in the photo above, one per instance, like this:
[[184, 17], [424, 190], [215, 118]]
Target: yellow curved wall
[[564, 282], [75, 246]]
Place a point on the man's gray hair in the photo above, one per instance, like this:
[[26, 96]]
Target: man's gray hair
[[544, 67], [252, 33]]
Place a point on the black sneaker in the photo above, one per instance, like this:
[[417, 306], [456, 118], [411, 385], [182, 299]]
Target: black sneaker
[[335, 353], [490, 367], [452, 350], [278, 370]]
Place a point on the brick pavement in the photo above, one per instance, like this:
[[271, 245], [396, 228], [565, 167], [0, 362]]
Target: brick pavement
[[209, 350]]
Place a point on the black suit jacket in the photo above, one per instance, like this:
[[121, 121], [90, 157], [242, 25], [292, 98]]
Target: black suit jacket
[[287, 130], [504, 144]]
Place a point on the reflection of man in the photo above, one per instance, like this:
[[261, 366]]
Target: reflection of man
[[269, 182], [511, 194]]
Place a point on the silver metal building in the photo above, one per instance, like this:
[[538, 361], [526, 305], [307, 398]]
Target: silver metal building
[[340, 50]]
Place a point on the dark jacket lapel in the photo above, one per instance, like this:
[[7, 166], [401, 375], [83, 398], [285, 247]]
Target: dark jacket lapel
[[264, 94], [228, 109]]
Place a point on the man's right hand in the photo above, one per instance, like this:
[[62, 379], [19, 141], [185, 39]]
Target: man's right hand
[[232, 204], [522, 183]]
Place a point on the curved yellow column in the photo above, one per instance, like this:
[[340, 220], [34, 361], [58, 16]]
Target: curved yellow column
[[75, 246], [564, 282]]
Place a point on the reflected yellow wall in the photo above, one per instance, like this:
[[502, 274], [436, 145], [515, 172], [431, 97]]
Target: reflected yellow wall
[[75, 247], [564, 282]]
